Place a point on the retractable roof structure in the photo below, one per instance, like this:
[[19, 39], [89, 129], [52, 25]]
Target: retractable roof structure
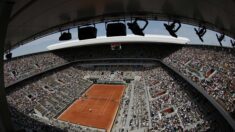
[[31, 19]]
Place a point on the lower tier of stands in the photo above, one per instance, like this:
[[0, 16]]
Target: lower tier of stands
[[155, 100]]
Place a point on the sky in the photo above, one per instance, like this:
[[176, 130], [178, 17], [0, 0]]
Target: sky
[[154, 27]]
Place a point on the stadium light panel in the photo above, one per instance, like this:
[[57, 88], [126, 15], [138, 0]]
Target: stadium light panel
[[115, 29], [87, 32], [65, 36]]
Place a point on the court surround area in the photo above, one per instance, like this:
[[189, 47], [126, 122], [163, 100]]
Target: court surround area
[[96, 108]]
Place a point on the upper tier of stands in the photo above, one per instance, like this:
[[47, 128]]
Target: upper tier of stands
[[211, 68], [25, 66]]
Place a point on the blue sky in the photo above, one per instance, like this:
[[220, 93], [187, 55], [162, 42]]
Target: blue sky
[[154, 27]]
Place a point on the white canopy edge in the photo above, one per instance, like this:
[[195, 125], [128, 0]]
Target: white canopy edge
[[120, 39]]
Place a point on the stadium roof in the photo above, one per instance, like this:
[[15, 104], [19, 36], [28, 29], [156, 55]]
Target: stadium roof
[[31, 19], [120, 39]]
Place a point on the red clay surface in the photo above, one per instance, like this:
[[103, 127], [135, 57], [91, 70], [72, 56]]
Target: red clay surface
[[97, 108]]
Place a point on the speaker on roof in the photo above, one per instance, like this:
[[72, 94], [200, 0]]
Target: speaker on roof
[[87, 32], [115, 29]]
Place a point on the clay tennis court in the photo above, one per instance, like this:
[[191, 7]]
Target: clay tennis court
[[96, 108]]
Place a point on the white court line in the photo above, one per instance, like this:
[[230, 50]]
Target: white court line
[[107, 102]]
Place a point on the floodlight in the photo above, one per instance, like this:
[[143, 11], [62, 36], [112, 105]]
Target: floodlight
[[171, 28], [87, 32], [65, 36], [135, 28], [115, 29]]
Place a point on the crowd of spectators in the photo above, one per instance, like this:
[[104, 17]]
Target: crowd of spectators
[[156, 100], [45, 97], [211, 68], [106, 73], [140, 117], [121, 118], [32, 123], [174, 102], [22, 67], [25, 66]]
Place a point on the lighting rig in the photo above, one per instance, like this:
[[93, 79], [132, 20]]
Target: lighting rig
[[87, 32], [172, 29], [135, 28], [232, 43], [220, 38], [200, 32], [115, 28], [65, 36]]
